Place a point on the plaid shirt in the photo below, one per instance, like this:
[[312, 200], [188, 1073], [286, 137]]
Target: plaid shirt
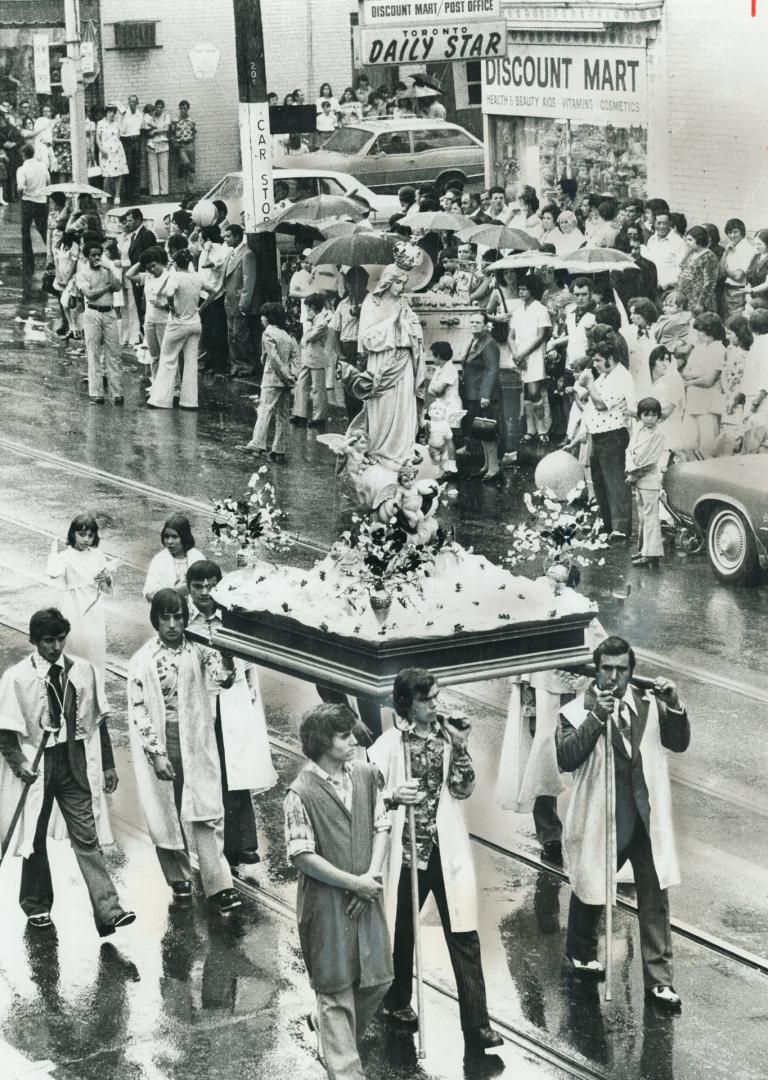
[[299, 834], [427, 767]]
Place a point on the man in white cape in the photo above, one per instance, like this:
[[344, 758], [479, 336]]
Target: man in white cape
[[49, 695], [174, 751], [240, 725], [443, 775], [642, 728]]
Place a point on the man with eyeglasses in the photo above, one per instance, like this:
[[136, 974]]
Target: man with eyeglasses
[[240, 724], [55, 699]]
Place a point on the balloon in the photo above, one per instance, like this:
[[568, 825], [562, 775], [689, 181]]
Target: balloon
[[558, 472], [204, 213]]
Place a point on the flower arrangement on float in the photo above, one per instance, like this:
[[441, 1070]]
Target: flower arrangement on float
[[250, 522], [557, 527]]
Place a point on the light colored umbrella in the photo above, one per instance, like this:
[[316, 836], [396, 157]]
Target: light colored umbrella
[[362, 247], [592, 260], [335, 227], [437, 221], [71, 188], [321, 207], [418, 92], [499, 237], [529, 260]]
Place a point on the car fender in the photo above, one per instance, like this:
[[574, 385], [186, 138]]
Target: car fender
[[701, 516]]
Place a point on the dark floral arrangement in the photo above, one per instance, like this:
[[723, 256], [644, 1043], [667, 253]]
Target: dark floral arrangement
[[250, 522], [556, 528], [381, 558]]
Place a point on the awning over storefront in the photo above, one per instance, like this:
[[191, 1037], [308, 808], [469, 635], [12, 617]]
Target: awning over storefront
[[587, 15], [25, 13]]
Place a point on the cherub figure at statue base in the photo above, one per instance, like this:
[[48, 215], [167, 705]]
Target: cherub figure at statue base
[[412, 503], [440, 438]]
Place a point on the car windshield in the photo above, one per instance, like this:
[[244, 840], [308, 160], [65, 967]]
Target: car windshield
[[347, 140], [231, 187]]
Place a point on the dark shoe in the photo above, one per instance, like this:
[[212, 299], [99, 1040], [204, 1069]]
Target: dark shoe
[[479, 475], [182, 890], [405, 1016], [226, 900], [492, 477], [482, 1038], [298, 421], [187, 408], [125, 918], [591, 969], [249, 857], [552, 852], [665, 997], [317, 424], [96, 400], [119, 401], [246, 448], [647, 560], [278, 459], [314, 1027], [43, 921]]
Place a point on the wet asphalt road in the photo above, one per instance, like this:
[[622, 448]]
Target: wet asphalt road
[[187, 996]]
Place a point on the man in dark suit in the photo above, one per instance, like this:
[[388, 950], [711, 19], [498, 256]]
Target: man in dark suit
[[479, 388], [641, 728], [239, 290], [141, 239], [640, 280]]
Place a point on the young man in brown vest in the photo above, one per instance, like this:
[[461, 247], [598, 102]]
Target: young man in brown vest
[[336, 830]]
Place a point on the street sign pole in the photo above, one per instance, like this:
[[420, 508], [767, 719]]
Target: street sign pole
[[256, 145], [74, 88]]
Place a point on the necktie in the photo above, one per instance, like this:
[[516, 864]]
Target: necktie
[[55, 696], [623, 722]]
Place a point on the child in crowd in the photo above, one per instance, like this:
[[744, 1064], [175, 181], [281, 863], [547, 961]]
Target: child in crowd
[[445, 411], [674, 329], [82, 572], [311, 383], [753, 394], [111, 258], [168, 569], [644, 457]]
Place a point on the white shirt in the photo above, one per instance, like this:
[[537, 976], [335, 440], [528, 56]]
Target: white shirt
[[666, 255], [31, 179], [130, 123], [577, 328], [212, 267], [527, 323], [617, 390]]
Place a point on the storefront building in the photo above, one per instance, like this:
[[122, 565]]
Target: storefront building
[[633, 97]]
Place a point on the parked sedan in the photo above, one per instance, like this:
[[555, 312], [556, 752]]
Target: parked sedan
[[723, 503], [385, 154], [294, 184]]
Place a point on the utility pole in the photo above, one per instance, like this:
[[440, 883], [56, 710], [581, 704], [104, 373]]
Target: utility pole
[[256, 145], [74, 88]]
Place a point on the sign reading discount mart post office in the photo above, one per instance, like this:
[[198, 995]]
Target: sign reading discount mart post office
[[586, 85], [375, 13], [412, 45]]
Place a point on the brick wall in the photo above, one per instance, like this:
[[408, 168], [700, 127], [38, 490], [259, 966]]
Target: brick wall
[[711, 140], [166, 72]]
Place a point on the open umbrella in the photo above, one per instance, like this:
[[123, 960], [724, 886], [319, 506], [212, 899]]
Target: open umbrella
[[437, 221], [363, 247], [71, 188], [529, 260], [335, 227], [592, 260], [418, 92], [500, 237], [320, 207]]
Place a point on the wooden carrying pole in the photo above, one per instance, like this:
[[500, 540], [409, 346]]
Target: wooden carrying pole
[[610, 856], [416, 907], [17, 812]]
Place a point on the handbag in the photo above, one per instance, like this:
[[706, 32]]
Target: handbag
[[484, 428], [500, 330], [46, 284]]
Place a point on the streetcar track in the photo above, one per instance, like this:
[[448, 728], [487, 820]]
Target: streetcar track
[[705, 940], [652, 659]]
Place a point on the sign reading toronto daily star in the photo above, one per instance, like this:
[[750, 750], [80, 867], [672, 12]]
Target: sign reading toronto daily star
[[418, 31]]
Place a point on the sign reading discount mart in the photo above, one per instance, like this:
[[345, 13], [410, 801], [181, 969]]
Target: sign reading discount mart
[[419, 45], [375, 13], [586, 85]]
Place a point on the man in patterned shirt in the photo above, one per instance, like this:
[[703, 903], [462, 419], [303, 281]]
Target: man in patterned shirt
[[173, 743], [336, 831], [443, 776], [181, 135]]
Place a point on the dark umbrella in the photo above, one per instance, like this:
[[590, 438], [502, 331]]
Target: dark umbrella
[[500, 237], [362, 248], [319, 208]]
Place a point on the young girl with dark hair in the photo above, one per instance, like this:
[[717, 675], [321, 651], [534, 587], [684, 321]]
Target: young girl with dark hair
[[168, 569]]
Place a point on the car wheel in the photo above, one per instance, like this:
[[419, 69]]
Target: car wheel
[[731, 547], [450, 179]]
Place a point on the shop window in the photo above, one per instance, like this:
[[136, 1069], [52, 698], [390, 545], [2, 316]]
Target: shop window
[[135, 35], [474, 82], [467, 84]]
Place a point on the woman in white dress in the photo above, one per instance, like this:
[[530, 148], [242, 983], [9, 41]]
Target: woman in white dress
[[531, 327], [111, 153], [84, 577], [168, 569]]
